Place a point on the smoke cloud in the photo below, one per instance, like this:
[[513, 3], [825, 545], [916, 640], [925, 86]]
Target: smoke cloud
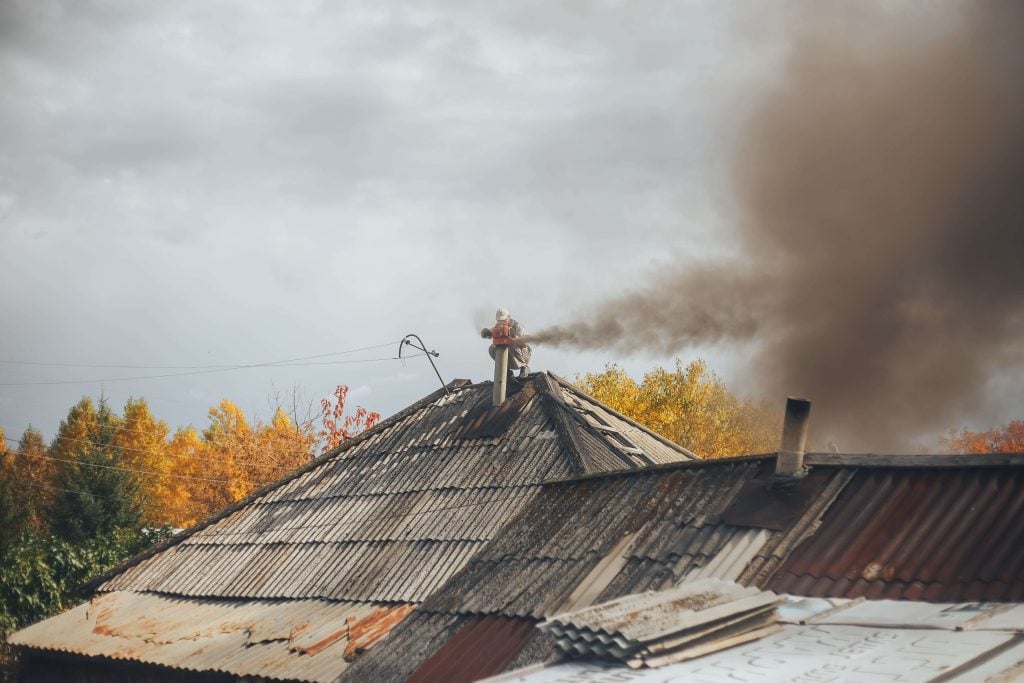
[[882, 229]]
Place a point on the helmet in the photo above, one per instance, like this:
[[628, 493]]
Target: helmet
[[501, 314]]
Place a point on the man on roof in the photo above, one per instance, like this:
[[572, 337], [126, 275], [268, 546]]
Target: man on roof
[[519, 354]]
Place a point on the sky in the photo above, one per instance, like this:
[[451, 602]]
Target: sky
[[191, 185], [196, 183]]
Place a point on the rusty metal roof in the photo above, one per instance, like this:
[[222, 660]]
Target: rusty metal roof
[[939, 535], [482, 647], [311, 640]]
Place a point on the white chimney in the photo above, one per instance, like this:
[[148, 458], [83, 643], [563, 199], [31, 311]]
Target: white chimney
[[500, 374]]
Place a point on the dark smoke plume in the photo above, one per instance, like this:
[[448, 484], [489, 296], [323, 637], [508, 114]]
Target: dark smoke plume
[[882, 183]]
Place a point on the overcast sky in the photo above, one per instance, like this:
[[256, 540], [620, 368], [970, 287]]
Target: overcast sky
[[200, 183]]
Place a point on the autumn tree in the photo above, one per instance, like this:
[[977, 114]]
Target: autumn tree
[[32, 470], [188, 493], [1006, 439], [142, 440], [337, 426], [230, 442], [689, 405], [76, 430], [94, 491], [15, 500]]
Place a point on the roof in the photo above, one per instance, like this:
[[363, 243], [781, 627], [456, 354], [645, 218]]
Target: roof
[[853, 640], [275, 637], [384, 520], [938, 528], [921, 535]]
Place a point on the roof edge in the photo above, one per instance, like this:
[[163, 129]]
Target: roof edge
[[882, 460], [839, 460], [95, 582]]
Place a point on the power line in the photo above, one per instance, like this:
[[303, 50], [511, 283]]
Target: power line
[[176, 455], [87, 493], [104, 380], [223, 366], [123, 469]]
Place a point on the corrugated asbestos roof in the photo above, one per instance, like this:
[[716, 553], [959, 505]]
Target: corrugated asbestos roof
[[387, 518], [939, 532], [293, 639], [393, 516], [659, 627]]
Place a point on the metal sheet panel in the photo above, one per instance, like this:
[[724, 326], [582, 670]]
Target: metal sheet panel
[[482, 647], [940, 534], [309, 640]]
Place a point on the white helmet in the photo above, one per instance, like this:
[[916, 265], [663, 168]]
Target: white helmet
[[501, 314]]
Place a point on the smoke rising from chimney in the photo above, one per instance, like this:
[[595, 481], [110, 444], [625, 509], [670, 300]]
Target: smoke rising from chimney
[[882, 230]]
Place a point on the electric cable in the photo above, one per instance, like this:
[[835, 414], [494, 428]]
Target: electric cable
[[104, 380], [87, 493], [176, 455], [119, 467], [193, 367]]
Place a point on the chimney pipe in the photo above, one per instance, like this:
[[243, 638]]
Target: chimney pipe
[[790, 463], [500, 374]]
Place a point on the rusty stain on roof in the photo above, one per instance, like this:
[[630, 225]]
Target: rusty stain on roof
[[364, 632], [293, 639]]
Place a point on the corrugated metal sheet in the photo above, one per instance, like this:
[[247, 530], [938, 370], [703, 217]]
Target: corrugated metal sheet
[[308, 640], [482, 647], [946, 534]]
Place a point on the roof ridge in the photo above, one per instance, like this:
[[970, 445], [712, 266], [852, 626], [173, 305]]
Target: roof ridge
[[96, 581], [566, 384], [553, 404], [577, 422]]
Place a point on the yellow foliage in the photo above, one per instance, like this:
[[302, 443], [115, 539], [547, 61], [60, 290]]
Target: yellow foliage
[[142, 440], [689, 405]]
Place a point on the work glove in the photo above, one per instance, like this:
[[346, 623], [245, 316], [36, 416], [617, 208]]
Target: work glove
[[486, 333]]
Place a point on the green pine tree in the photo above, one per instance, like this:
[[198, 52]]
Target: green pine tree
[[95, 494]]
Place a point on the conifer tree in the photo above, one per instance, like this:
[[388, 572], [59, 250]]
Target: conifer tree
[[97, 495]]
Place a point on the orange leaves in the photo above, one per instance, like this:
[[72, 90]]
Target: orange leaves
[[336, 426], [189, 475], [689, 405], [1007, 439]]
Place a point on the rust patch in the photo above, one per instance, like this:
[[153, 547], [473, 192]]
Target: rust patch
[[326, 641], [363, 633]]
